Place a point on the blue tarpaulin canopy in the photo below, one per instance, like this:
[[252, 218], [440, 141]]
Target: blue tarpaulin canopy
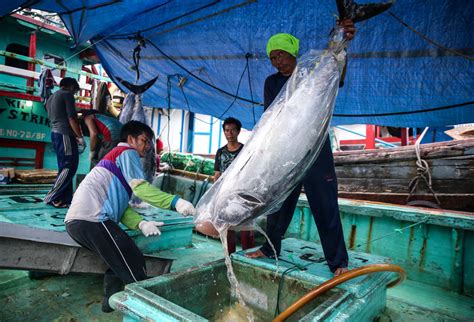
[[411, 66]]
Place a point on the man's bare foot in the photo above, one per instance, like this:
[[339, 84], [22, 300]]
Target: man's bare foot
[[340, 270], [256, 254]]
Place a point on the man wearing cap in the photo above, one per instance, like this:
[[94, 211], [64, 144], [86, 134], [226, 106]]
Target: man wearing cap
[[320, 182], [66, 135]]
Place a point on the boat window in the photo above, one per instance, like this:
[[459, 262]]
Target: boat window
[[20, 50], [54, 60]]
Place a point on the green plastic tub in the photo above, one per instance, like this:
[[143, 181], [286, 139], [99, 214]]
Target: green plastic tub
[[204, 294]]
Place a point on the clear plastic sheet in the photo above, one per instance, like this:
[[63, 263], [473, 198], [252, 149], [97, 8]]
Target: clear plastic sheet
[[283, 145]]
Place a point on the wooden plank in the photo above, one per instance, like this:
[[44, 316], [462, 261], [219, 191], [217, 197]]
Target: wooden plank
[[459, 202], [192, 175], [401, 185], [439, 169], [36, 176], [428, 151], [17, 162]]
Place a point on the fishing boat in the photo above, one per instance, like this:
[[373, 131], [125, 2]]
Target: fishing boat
[[430, 244], [32, 44], [423, 249], [397, 175]]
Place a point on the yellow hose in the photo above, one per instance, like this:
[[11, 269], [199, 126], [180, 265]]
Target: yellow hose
[[326, 286]]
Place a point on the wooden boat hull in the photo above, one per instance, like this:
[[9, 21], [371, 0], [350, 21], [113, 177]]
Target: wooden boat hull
[[385, 175]]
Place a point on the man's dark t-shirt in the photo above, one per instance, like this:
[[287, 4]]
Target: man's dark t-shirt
[[273, 85], [224, 158], [61, 108]]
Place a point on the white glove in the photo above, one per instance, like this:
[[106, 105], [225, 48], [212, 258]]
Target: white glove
[[165, 167], [92, 155], [184, 207], [80, 141], [150, 228]]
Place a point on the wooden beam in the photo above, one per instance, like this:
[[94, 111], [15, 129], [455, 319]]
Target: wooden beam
[[32, 54], [428, 151], [192, 175], [39, 147], [369, 137], [451, 201]]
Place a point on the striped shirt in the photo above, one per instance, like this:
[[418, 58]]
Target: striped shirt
[[105, 191], [109, 127]]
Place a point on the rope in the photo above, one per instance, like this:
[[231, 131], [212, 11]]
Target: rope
[[200, 79], [95, 43], [228, 107], [422, 171], [136, 56], [408, 112], [280, 283], [247, 56], [395, 231], [430, 40]]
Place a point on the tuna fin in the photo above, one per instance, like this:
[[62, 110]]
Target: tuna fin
[[137, 89], [357, 13]]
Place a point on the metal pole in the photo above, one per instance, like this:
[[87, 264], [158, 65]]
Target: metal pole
[[32, 54], [362, 135]]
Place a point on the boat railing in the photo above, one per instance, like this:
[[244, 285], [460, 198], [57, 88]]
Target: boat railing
[[53, 66], [386, 144], [31, 74]]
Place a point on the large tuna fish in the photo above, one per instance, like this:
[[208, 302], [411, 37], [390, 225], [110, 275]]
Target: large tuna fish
[[288, 137], [132, 109]]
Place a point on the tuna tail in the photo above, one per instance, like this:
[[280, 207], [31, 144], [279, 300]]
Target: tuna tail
[[137, 89], [357, 13]]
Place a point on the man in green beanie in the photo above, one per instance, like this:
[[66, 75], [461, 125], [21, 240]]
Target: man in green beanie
[[320, 182]]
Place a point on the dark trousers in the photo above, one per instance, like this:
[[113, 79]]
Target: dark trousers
[[113, 245], [105, 147], [67, 155], [320, 184]]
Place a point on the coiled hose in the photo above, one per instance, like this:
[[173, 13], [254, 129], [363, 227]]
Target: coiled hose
[[326, 286]]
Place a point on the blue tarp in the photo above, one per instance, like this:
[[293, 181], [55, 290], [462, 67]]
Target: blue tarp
[[394, 73]]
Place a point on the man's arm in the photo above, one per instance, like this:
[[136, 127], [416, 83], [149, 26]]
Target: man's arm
[[217, 165], [72, 114], [131, 218], [155, 197], [75, 127], [350, 31], [152, 195], [349, 28], [267, 95], [130, 164], [93, 132]]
